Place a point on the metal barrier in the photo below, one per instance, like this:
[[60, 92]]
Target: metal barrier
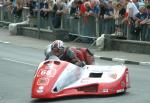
[[148, 33], [143, 31], [88, 27], [142, 36], [124, 29], [106, 26], [74, 26], [82, 27], [65, 22], [7, 17], [25, 13], [1, 12]]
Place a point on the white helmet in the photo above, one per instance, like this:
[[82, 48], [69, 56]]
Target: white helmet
[[57, 44]]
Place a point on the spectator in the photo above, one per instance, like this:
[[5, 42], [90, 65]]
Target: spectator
[[66, 6], [45, 8], [136, 3], [147, 21], [109, 13], [118, 19], [95, 7], [8, 4], [4, 2], [147, 36], [122, 11], [139, 18], [147, 2], [85, 8], [79, 8], [74, 11], [17, 8], [73, 8], [57, 12], [141, 15], [33, 7], [26, 3], [131, 11], [102, 9], [1, 1]]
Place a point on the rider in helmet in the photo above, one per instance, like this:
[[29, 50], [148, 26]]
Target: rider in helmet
[[57, 48]]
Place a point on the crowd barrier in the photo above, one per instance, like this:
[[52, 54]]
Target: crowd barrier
[[7, 17], [85, 27]]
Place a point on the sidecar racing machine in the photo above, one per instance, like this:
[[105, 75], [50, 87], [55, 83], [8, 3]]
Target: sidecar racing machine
[[55, 78]]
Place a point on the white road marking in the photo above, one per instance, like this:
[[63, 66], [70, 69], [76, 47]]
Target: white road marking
[[118, 60], [145, 63], [17, 61], [5, 42], [96, 56]]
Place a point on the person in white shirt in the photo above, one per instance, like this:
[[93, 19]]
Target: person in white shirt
[[131, 11]]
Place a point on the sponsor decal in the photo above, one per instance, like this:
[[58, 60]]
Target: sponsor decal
[[127, 80], [43, 81], [43, 72], [40, 89], [105, 90], [120, 90], [123, 84], [114, 75], [47, 72], [51, 72]]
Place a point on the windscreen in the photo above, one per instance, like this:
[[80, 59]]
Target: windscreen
[[70, 75]]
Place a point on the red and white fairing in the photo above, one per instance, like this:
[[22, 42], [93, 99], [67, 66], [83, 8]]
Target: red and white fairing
[[55, 78]]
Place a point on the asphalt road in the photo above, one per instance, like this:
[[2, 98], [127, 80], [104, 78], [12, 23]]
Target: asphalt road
[[18, 64]]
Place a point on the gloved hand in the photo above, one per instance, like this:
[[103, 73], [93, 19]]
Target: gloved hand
[[80, 63]]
